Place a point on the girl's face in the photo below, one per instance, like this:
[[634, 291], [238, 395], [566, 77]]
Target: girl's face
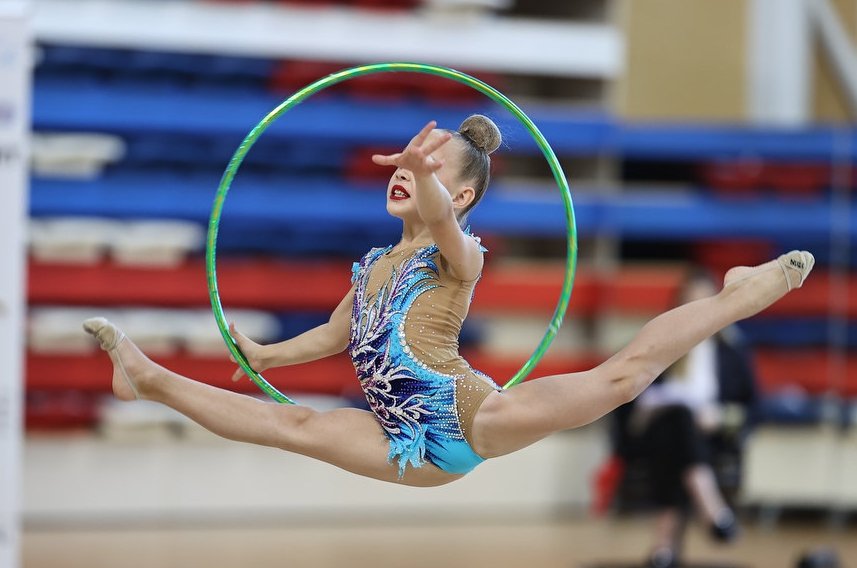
[[400, 198]]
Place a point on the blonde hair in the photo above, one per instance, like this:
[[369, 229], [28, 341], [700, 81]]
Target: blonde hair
[[480, 137]]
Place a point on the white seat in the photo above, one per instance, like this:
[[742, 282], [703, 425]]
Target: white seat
[[157, 243], [82, 240], [75, 155], [57, 330], [203, 337]]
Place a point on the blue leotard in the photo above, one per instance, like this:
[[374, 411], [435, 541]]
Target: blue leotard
[[407, 315]]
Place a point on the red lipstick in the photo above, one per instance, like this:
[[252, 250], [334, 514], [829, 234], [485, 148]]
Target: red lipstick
[[398, 193]]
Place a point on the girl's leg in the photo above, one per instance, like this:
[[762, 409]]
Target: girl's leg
[[530, 411], [347, 438]]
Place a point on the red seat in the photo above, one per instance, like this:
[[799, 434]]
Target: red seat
[[60, 410], [813, 370], [732, 178], [385, 4], [446, 90], [796, 179], [719, 256], [359, 165], [385, 86], [289, 76]]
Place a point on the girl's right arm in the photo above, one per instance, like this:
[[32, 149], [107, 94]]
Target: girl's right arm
[[319, 342]]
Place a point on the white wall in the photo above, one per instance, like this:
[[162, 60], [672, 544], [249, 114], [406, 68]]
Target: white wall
[[152, 476], [14, 122]]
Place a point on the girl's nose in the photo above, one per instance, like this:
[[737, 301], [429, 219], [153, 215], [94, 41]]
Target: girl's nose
[[401, 175]]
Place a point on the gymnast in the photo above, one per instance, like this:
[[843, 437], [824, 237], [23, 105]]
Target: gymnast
[[433, 418]]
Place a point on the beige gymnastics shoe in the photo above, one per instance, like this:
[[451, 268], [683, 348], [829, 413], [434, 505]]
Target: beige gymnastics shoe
[[795, 265], [799, 261], [110, 337]]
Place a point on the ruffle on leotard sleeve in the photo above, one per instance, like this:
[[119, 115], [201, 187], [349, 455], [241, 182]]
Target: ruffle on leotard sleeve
[[475, 238]]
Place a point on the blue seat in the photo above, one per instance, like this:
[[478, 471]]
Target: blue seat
[[793, 332], [296, 201], [135, 105], [135, 63], [790, 408], [63, 72]]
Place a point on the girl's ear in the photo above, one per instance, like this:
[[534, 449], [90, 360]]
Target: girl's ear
[[464, 197]]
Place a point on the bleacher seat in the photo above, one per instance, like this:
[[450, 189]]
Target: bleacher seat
[[157, 243], [75, 155], [159, 331], [308, 188], [71, 239]]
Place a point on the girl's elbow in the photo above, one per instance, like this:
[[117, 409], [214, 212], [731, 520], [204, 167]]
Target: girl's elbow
[[341, 344], [339, 340]]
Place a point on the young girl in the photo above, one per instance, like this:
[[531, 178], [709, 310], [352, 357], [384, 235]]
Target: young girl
[[433, 417]]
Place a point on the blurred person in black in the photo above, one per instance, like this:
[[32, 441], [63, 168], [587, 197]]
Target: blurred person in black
[[695, 415]]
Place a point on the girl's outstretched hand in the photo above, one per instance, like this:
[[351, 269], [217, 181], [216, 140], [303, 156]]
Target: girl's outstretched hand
[[250, 349], [416, 157]]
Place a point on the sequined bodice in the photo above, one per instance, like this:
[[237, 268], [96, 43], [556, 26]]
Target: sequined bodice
[[407, 314]]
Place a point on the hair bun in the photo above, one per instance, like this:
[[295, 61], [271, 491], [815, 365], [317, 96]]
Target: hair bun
[[482, 131]]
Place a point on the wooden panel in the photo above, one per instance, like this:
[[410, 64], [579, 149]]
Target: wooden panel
[[686, 60]]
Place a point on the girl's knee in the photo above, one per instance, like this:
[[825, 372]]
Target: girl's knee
[[628, 376], [490, 419], [293, 425]]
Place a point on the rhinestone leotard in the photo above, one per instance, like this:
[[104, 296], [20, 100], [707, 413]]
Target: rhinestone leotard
[[407, 315]]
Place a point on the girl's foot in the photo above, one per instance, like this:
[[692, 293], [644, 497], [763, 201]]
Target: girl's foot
[[129, 364], [795, 265]]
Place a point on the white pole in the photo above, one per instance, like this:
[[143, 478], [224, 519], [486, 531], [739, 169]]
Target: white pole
[[779, 62], [838, 48], [15, 67]]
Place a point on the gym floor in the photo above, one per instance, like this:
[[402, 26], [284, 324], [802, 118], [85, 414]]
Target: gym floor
[[397, 543]]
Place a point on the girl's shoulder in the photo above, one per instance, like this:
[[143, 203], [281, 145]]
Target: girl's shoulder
[[445, 266], [476, 238]]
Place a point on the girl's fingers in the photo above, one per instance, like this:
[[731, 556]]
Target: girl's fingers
[[382, 160], [428, 149], [423, 134], [234, 332], [240, 339], [236, 376], [236, 337]]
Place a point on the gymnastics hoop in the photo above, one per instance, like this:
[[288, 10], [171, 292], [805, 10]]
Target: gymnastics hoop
[[330, 80]]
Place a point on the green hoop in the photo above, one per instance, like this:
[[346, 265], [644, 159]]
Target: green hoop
[[309, 90]]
